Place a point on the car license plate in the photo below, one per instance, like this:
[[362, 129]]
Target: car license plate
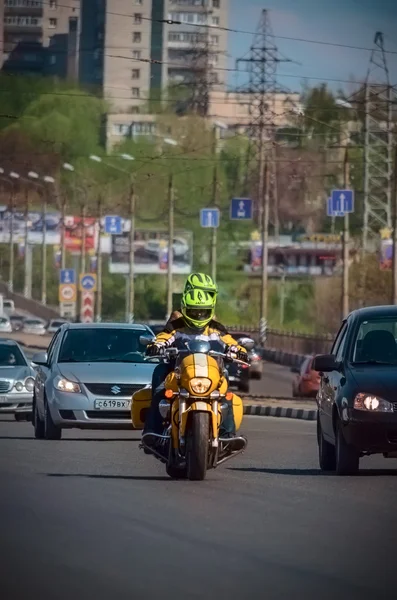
[[112, 404]]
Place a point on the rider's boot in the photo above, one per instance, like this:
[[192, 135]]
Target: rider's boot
[[228, 429]]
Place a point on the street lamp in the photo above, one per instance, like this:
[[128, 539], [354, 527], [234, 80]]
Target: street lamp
[[15, 176], [171, 208], [132, 202]]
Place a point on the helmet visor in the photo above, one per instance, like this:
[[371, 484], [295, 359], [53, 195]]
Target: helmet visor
[[199, 314]]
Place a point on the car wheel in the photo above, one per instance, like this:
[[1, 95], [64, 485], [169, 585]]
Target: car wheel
[[51, 431], [38, 424], [347, 457], [326, 451]]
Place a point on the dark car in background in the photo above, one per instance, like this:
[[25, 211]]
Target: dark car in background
[[357, 399]]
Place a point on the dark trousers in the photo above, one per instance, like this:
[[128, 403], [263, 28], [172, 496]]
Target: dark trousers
[[154, 420]]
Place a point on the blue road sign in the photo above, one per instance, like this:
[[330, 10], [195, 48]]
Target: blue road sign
[[342, 201], [209, 217], [88, 282], [241, 209], [113, 225], [67, 276], [330, 212]]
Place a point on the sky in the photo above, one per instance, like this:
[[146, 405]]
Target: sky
[[350, 22]]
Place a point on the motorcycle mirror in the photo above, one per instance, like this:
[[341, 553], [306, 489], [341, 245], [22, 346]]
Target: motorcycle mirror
[[145, 340], [247, 343]]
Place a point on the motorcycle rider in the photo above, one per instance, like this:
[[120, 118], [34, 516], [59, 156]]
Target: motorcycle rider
[[197, 308]]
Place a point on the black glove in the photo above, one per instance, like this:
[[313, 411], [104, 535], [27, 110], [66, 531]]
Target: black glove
[[234, 352], [154, 350]]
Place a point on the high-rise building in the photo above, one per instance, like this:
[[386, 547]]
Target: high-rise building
[[131, 52], [31, 27]]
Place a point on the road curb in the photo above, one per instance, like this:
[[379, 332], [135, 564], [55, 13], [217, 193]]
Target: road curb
[[280, 411]]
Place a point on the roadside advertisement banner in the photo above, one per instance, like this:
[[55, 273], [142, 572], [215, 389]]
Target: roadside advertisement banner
[[151, 252], [73, 229], [386, 255]]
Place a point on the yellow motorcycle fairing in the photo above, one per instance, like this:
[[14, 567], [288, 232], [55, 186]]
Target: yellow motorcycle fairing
[[198, 366], [140, 404]]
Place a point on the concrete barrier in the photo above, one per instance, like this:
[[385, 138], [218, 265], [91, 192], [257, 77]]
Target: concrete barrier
[[31, 306]]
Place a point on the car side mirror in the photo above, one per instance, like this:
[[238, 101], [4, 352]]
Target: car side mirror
[[247, 343], [145, 340], [40, 358], [325, 363]]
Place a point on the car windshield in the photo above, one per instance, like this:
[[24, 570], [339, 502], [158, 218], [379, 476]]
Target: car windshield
[[102, 345], [31, 322], [376, 342], [11, 356], [3, 321]]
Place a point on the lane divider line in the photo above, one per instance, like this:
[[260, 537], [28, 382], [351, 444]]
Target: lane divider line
[[280, 411]]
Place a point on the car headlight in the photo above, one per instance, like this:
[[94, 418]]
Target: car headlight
[[372, 403], [64, 385], [18, 386], [200, 385], [29, 384]]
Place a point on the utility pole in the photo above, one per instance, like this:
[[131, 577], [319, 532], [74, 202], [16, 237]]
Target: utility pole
[[265, 198], [83, 213], [346, 252], [394, 212], [63, 241], [132, 204], [27, 292], [214, 233], [99, 265], [171, 207], [11, 246], [44, 251]]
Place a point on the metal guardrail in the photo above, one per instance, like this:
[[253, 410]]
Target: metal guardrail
[[289, 341]]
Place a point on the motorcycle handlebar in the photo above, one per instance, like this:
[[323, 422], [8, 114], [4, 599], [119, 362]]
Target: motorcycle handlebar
[[175, 352]]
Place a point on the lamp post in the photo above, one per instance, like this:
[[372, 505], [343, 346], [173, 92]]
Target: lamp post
[[15, 176], [131, 210]]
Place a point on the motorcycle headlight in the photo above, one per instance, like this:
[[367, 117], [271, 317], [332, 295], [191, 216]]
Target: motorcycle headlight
[[18, 386], [372, 403], [29, 384], [64, 385], [200, 385]]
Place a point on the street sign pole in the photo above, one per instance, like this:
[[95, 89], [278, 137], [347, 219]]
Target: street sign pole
[[346, 253]]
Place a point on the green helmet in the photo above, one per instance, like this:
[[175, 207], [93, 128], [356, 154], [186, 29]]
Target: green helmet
[[200, 281], [198, 307]]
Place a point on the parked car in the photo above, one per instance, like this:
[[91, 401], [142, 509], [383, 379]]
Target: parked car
[[16, 322], [87, 377], [256, 364], [357, 400], [307, 381], [54, 325], [8, 306], [33, 326], [5, 325], [16, 380]]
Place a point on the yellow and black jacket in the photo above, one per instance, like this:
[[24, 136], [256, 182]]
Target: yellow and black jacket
[[177, 331]]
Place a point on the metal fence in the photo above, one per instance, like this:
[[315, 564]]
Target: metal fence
[[289, 341]]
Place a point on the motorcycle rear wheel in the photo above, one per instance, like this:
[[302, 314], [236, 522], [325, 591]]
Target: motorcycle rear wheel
[[197, 446]]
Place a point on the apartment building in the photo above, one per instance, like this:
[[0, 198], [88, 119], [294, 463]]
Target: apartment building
[[131, 51], [31, 27]]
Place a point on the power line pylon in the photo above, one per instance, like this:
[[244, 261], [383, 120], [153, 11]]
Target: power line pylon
[[379, 98], [262, 88]]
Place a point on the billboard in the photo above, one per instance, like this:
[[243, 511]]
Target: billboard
[[386, 255], [73, 229], [151, 252]]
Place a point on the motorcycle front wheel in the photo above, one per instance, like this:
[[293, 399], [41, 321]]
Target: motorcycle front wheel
[[197, 446]]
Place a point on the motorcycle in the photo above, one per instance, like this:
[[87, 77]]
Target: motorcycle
[[192, 411]]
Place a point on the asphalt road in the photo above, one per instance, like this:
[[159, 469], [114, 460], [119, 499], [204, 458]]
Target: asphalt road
[[92, 517], [276, 381]]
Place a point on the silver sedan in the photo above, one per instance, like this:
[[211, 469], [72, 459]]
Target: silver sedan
[[16, 380], [87, 376]]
